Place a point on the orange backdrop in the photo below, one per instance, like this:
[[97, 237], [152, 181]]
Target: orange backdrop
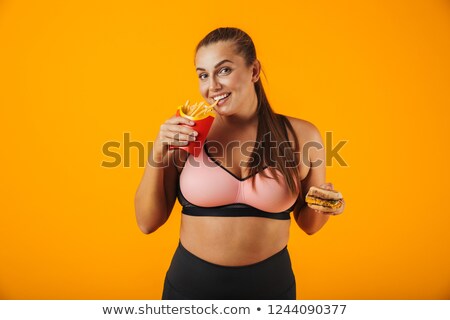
[[75, 75]]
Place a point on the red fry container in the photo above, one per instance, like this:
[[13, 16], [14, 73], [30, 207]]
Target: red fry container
[[202, 126]]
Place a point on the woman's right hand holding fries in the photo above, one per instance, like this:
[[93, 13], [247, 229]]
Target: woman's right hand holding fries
[[176, 131]]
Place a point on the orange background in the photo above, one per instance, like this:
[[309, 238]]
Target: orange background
[[77, 74]]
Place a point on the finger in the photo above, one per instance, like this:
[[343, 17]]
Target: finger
[[327, 186], [323, 212], [177, 136], [178, 128], [336, 212], [322, 209], [180, 120], [324, 186], [341, 209], [182, 130], [329, 213], [175, 143]]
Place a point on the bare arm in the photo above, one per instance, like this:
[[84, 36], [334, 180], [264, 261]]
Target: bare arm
[[310, 220], [156, 194]]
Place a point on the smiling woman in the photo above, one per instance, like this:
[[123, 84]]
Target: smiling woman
[[236, 203], [223, 71]]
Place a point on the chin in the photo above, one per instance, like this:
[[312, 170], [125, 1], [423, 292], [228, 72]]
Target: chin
[[225, 110], [221, 112]]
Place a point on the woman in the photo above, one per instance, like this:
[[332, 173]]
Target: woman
[[238, 193]]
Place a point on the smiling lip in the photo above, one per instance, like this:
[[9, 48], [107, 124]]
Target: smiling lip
[[217, 95], [222, 101]]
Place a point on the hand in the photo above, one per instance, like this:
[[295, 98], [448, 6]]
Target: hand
[[329, 186], [174, 132]]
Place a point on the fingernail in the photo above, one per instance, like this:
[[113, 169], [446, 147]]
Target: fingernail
[[195, 133], [191, 123]]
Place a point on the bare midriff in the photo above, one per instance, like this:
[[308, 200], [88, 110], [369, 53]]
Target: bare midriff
[[233, 241]]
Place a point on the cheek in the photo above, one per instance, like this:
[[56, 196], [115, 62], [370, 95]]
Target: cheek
[[240, 81], [203, 86]]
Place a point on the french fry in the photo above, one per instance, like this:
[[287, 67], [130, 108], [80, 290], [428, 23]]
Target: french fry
[[190, 109], [197, 109], [207, 110], [185, 107], [211, 107]]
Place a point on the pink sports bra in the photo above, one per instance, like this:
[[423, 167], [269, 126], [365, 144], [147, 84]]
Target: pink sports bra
[[208, 189]]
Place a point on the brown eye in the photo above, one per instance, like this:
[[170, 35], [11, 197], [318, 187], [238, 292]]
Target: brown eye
[[225, 70]]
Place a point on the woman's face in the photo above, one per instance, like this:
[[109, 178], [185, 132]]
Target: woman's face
[[222, 73]]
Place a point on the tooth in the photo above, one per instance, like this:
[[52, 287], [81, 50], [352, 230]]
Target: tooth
[[221, 96]]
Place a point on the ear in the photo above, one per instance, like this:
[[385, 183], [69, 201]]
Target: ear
[[256, 69]]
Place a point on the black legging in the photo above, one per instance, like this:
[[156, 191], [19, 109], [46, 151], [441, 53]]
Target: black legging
[[190, 277]]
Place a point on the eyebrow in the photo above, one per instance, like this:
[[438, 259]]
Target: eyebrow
[[220, 63]]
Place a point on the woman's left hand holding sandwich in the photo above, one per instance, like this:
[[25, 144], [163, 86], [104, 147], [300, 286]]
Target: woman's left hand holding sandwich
[[334, 212]]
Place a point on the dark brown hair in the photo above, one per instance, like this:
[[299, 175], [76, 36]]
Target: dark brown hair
[[271, 126]]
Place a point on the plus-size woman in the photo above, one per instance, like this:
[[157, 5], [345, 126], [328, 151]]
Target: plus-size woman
[[238, 193]]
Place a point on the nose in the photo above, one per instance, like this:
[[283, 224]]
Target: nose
[[214, 85]]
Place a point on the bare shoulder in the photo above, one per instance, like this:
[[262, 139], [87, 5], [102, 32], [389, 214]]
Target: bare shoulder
[[305, 130]]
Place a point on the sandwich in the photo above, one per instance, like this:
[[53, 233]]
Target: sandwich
[[323, 199]]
